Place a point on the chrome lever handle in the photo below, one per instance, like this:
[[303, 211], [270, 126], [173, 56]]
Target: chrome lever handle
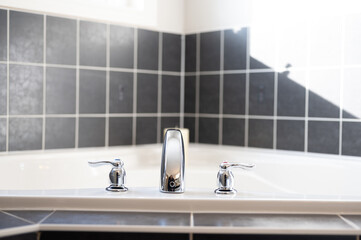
[[115, 163], [226, 165]]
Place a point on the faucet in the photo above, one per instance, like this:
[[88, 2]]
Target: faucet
[[172, 165]]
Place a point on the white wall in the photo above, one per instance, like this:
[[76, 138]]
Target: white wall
[[160, 15]]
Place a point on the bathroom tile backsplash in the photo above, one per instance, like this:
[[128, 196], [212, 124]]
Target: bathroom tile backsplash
[[67, 83]]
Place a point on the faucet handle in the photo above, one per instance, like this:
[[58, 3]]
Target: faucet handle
[[226, 165], [116, 175]]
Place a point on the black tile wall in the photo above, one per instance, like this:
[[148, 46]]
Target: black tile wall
[[148, 49], [191, 53], [60, 40], [290, 135], [25, 134], [92, 44], [260, 133], [172, 49], [189, 122], [147, 93], [261, 94], [233, 131], [3, 34], [170, 94], [26, 37], [121, 47], [235, 49], [210, 51], [121, 92], [323, 137], [209, 94], [120, 131], [208, 130], [234, 93], [92, 91], [190, 94], [3, 89], [2, 134], [146, 130], [91, 132], [60, 133], [351, 138]]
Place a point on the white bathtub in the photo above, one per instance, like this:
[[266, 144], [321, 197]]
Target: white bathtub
[[281, 182]]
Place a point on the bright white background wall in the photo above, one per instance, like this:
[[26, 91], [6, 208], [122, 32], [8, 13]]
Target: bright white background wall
[[160, 15]]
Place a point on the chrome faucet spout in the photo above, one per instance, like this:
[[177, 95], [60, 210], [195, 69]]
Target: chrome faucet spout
[[172, 165]]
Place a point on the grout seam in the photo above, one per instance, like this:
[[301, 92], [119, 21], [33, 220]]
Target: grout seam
[[221, 85], [17, 217], [246, 122], [159, 97], [349, 222], [135, 78], [77, 84], [107, 85], [44, 84], [196, 127], [342, 79], [182, 83], [7, 83]]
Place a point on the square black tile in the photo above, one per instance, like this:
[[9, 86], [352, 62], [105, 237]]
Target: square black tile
[[60, 40], [190, 123], [321, 107], [148, 48], [3, 89], [291, 135], [210, 51], [233, 131], [235, 49], [121, 92], [260, 133], [190, 94], [234, 93], [146, 130], [7, 221], [121, 47], [147, 93], [351, 138], [2, 134], [25, 134], [209, 94], [60, 90], [26, 37], [191, 53], [59, 133], [120, 131], [351, 93], [290, 97], [92, 44], [208, 130], [26, 90], [3, 34], [172, 48], [112, 236], [91, 132], [92, 91], [170, 94], [168, 122], [261, 94], [323, 137]]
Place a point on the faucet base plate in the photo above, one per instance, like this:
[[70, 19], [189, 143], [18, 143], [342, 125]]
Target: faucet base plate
[[113, 188], [225, 191]]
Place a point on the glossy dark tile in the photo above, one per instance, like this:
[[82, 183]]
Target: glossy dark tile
[[235, 49], [233, 131], [272, 221], [31, 215], [26, 90], [261, 94], [168, 122], [351, 138], [3, 34], [92, 44], [112, 236], [147, 93], [59, 133], [170, 94], [2, 134], [121, 92], [26, 236], [92, 91], [26, 37], [351, 93], [172, 48], [60, 90], [208, 130], [146, 130], [323, 137], [148, 47], [3, 89], [190, 94], [91, 132], [25, 134], [190, 122], [291, 96], [7, 221], [191, 53], [269, 237], [60, 40], [209, 94], [291, 135], [210, 51], [120, 131], [234, 93], [260, 133], [121, 47]]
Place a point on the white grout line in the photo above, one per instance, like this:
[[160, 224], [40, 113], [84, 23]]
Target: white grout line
[[135, 78], [191, 223], [77, 84], [7, 81], [46, 217], [107, 79], [196, 127], [182, 81], [352, 224], [159, 99], [20, 218], [307, 80], [275, 106], [221, 85], [246, 122], [44, 83], [342, 79]]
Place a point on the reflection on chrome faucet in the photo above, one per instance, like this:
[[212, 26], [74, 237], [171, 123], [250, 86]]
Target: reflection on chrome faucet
[[172, 165]]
